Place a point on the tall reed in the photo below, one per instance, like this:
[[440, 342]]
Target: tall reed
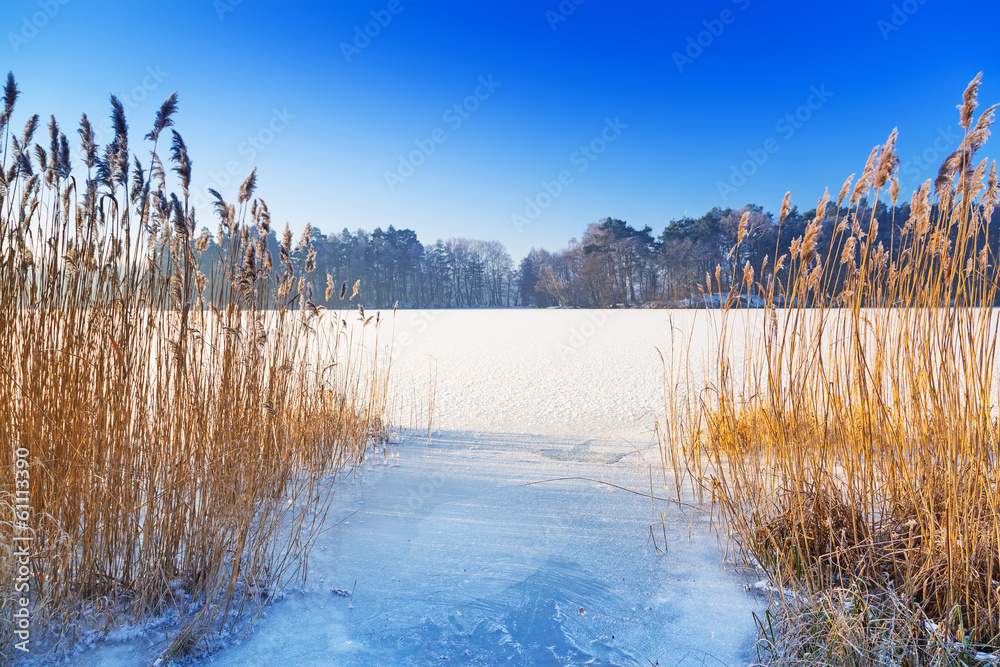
[[184, 401], [848, 437]]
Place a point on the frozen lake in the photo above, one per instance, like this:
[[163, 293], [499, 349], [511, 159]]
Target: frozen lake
[[453, 560]]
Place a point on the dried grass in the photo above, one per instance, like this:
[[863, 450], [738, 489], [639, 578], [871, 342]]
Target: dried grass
[[184, 406], [849, 441]]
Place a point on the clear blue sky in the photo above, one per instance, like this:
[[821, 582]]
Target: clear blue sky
[[678, 123]]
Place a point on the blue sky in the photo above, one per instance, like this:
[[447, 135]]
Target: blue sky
[[566, 113]]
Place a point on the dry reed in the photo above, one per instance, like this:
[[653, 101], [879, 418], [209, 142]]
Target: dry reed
[[848, 438], [184, 403]]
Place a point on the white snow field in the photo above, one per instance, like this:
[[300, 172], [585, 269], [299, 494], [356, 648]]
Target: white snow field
[[453, 560]]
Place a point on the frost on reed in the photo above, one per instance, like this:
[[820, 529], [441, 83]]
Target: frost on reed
[[184, 403], [848, 436]]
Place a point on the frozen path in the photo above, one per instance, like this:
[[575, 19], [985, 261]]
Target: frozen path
[[457, 561]]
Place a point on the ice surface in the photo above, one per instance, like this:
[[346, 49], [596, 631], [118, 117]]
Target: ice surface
[[455, 557]]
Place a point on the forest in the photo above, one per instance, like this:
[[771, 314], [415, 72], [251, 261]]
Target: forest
[[614, 264]]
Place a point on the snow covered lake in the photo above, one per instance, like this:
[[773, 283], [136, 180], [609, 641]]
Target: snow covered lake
[[452, 559]]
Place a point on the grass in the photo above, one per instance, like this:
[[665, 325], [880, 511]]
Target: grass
[[184, 405], [849, 440], [851, 626]]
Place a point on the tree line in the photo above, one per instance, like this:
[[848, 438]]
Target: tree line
[[613, 264]]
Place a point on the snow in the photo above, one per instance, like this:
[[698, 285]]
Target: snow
[[458, 555]]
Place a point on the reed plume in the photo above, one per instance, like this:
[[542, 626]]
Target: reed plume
[[183, 420], [854, 456]]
